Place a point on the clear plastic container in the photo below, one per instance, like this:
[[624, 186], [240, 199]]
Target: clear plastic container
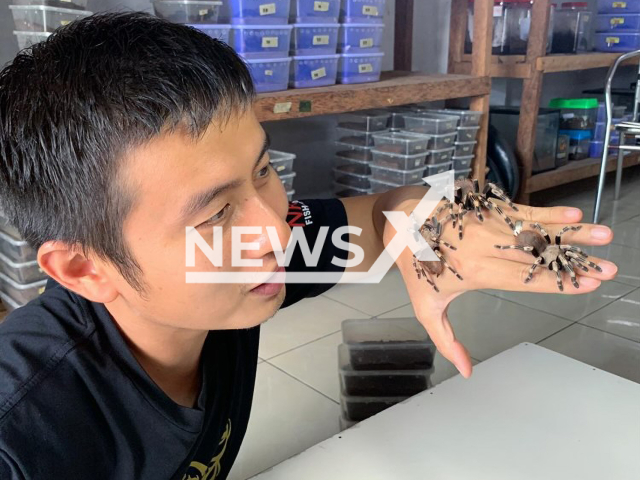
[[21, 293], [572, 25], [365, 121], [359, 67], [435, 168], [614, 6], [25, 272], [314, 71], [579, 142], [382, 383], [344, 165], [282, 162], [39, 18], [26, 39], [345, 423], [313, 11], [617, 42], [71, 4], [362, 11], [517, 23], [624, 22], [397, 114], [269, 75], [462, 163], [399, 162], [260, 12], [351, 179], [7, 228], [378, 186], [431, 123], [314, 39], [468, 118], [360, 38], [346, 191], [16, 250], [221, 32], [618, 111], [188, 11], [257, 41], [576, 113], [445, 140], [399, 177], [290, 194], [287, 180], [441, 156], [403, 143], [356, 409], [464, 148], [9, 303], [354, 152], [358, 138], [462, 174], [467, 134]]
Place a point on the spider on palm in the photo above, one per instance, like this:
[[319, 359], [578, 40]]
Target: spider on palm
[[556, 256]]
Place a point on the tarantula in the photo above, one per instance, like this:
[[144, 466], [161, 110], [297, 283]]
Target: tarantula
[[468, 198], [431, 230], [557, 257]]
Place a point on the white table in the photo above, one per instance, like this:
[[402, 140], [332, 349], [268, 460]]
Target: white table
[[526, 414]]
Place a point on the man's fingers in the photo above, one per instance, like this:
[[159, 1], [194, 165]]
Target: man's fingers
[[588, 234], [529, 214]]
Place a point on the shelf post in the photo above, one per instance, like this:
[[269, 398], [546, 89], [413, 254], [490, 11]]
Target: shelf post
[[403, 42]]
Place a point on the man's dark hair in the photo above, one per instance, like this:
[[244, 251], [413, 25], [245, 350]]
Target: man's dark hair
[[72, 106]]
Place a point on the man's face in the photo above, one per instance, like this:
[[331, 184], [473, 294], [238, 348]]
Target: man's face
[[222, 179]]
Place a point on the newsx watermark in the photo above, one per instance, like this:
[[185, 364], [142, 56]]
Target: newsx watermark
[[407, 235]]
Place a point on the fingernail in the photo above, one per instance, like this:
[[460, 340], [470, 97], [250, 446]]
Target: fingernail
[[600, 233], [589, 282], [608, 268], [572, 213]]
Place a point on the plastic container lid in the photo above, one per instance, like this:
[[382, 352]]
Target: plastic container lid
[[314, 57], [260, 27], [574, 103], [315, 25], [219, 26], [189, 2], [70, 11], [356, 25], [576, 134], [266, 60], [383, 330], [354, 55]]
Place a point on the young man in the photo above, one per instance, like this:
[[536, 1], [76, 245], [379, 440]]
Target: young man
[[116, 134]]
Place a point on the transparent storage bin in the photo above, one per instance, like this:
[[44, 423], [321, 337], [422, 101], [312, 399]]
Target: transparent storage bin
[[360, 38], [572, 25], [517, 23], [186, 11], [462, 163], [617, 111], [25, 272], [314, 71], [359, 67], [463, 174], [346, 191], [378, 186], [403, 143], [464, 148], [282, 162], [345, 165], [399, 177], [468, 118], [313, 11], [351, 179], [467, 134], [360, 138], [388, 344], [7, 228], [260, 12], [383, 383], [287, 181], [629, 22], [617, 42], [446, 140], [71, 4], [354, 152], [579, 142], [617, 7], [357, 409], [40, 18], [270, 74], [435, 168], [314, 39], [221, 32], [576, 114], [362, 11], [9, 303], [431, 123], [365, 121], [345, 423], [399, 162], [26, 39], [441, 156], [16, 250], [258, 41], [21, 293]]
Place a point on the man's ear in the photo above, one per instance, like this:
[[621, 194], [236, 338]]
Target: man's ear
[[68, 266]]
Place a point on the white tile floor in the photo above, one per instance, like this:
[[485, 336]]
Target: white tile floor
[[297, 391]]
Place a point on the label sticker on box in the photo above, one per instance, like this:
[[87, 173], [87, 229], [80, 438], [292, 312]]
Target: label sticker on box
[[321, 6], [319, 73], [269, 42], [612, 40], [267, 9], [366, 42], [282, 107], [268, 73], [619, 5], [321, 39], [40, 290], [365, 68], [203, 12], [617, 21], [65, 22], [497, 11], [370, 10]]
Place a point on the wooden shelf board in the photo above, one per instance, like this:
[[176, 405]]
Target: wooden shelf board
[[584, 61], [576, 170], [395, 88]]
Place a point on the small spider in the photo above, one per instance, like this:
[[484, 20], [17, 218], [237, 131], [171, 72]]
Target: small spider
[[468, 198], [558, 257], [431, 230]]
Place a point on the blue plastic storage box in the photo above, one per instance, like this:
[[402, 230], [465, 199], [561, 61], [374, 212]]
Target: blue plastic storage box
[[260, 12], [362, 11], [359, 67], [261, 41], [626, 22], [269, 75], [313, 11], [360, 38], [617, 42], [314, 71], [314, 38], [616, 6], [221, 32]]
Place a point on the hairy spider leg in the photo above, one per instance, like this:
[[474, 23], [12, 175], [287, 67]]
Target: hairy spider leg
[[571, 248], [544, 233], [555, 268], [565, 230], [477, 205], [577, 263], [524, 248], [461, 215], [497, 191], [583, 260], [569, 269], [446, 264], [538, 261], [494, 206], [420, 270]]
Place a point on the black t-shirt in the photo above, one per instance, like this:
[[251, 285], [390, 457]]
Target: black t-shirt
[[75, 403]]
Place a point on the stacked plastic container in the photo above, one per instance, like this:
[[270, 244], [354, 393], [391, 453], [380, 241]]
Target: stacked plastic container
[[618, 26], [597, 143], [211, 17], [35, 20], [577, 121], [282, 163], [382, 362], [21, 279], [353, 166]]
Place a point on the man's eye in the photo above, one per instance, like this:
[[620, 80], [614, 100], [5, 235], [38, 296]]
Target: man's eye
[[264, 172], [218, 216]]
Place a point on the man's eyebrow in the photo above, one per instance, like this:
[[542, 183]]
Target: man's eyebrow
[[265, 147]]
